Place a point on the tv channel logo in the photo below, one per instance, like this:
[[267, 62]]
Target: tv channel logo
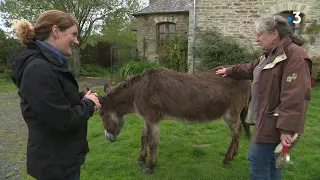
[[297, 19]]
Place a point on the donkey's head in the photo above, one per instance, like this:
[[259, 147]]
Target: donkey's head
[[112, 118]]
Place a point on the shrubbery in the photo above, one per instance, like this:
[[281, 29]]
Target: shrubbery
[[93, 70], [175, 54], [136, 67], [214, 49], [316, 64]]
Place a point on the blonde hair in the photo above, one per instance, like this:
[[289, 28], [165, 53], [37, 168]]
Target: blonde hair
[[43, 27], [24, 30]]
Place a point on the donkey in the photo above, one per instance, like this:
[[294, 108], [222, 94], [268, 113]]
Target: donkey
[[162, 93]]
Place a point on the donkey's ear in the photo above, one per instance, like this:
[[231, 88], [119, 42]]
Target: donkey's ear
[[106, 88]]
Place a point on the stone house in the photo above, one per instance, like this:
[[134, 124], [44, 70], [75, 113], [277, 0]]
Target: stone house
[[231, 17]]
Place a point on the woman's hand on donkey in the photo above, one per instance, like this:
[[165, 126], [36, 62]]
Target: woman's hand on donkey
[[222, 71]]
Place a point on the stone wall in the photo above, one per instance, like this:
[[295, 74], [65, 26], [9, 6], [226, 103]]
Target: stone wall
[[147, 29], [151, 1], [236, 18]]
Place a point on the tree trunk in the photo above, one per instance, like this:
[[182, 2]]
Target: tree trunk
[[75, 60]]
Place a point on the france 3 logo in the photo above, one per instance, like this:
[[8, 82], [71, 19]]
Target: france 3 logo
[[297, 19]]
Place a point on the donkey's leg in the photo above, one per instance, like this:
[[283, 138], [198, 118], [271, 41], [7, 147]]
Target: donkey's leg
[[236, 147], [153, 141], [232, 119], [144, 146]]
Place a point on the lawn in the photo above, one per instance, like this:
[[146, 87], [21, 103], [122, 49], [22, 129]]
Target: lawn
[[192, 151]]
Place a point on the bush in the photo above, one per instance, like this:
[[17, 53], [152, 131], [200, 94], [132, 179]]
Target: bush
[[5, 78], [136, 67], [93, 70], [2, 67], [316, 64], [214, 49], [175, 54]]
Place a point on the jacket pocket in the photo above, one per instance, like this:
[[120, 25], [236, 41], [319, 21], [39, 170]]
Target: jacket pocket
[[268, 127]]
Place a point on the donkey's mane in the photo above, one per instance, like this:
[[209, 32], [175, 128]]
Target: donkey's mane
[[125, 84]]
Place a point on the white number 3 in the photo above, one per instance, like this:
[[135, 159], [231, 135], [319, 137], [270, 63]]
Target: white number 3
[[298, 18]]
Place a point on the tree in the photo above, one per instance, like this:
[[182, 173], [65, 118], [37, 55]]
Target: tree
[[7, 46], [88, 12], [117, 30]]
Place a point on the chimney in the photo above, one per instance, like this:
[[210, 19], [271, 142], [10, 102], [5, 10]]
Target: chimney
[[151, 1]]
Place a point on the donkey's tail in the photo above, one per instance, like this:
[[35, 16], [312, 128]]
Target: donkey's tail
[[245, 125]]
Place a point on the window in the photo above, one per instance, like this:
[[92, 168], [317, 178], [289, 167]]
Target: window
[[164, 30], [296, 28]]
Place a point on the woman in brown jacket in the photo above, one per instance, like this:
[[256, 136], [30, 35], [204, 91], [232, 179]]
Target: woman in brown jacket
[[280, 92]]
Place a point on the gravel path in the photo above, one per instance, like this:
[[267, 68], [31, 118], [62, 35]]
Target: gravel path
[[13, 131]]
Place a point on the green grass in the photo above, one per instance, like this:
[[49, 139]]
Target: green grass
[[181, 158], [6, 84]]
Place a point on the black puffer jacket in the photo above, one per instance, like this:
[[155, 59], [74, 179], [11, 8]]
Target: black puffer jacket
[[56, 116]]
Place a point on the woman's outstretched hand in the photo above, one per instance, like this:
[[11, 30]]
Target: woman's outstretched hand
[[222, 71]]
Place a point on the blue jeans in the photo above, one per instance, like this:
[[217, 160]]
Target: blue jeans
[[262, 162]]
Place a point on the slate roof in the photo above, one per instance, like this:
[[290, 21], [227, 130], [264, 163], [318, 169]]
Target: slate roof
[[165, 6]]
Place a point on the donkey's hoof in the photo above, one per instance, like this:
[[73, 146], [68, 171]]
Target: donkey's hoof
[[235, 153], [147, 170], [225, 165], [141, 162]]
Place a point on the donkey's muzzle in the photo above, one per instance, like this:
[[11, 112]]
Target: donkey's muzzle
[[111, 138]]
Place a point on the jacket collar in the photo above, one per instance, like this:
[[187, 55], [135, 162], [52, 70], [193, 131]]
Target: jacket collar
[[50, 57], [63, 59], [278, 54], [278, 50]]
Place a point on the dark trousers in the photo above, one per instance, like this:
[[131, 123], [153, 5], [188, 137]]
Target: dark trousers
[[73, 176]]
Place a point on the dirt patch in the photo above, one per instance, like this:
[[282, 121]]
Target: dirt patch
[[13, 136]]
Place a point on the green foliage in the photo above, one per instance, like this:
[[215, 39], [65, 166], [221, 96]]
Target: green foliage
[[117, 31], [213, 49], [136, 67], [316, 64], [313, 29], [93, 70], [8, 45], [175, 54], [88, 12], [5, 78]]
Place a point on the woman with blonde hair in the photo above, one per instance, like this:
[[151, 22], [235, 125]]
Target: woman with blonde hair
[[280, 93], [55, 112]]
